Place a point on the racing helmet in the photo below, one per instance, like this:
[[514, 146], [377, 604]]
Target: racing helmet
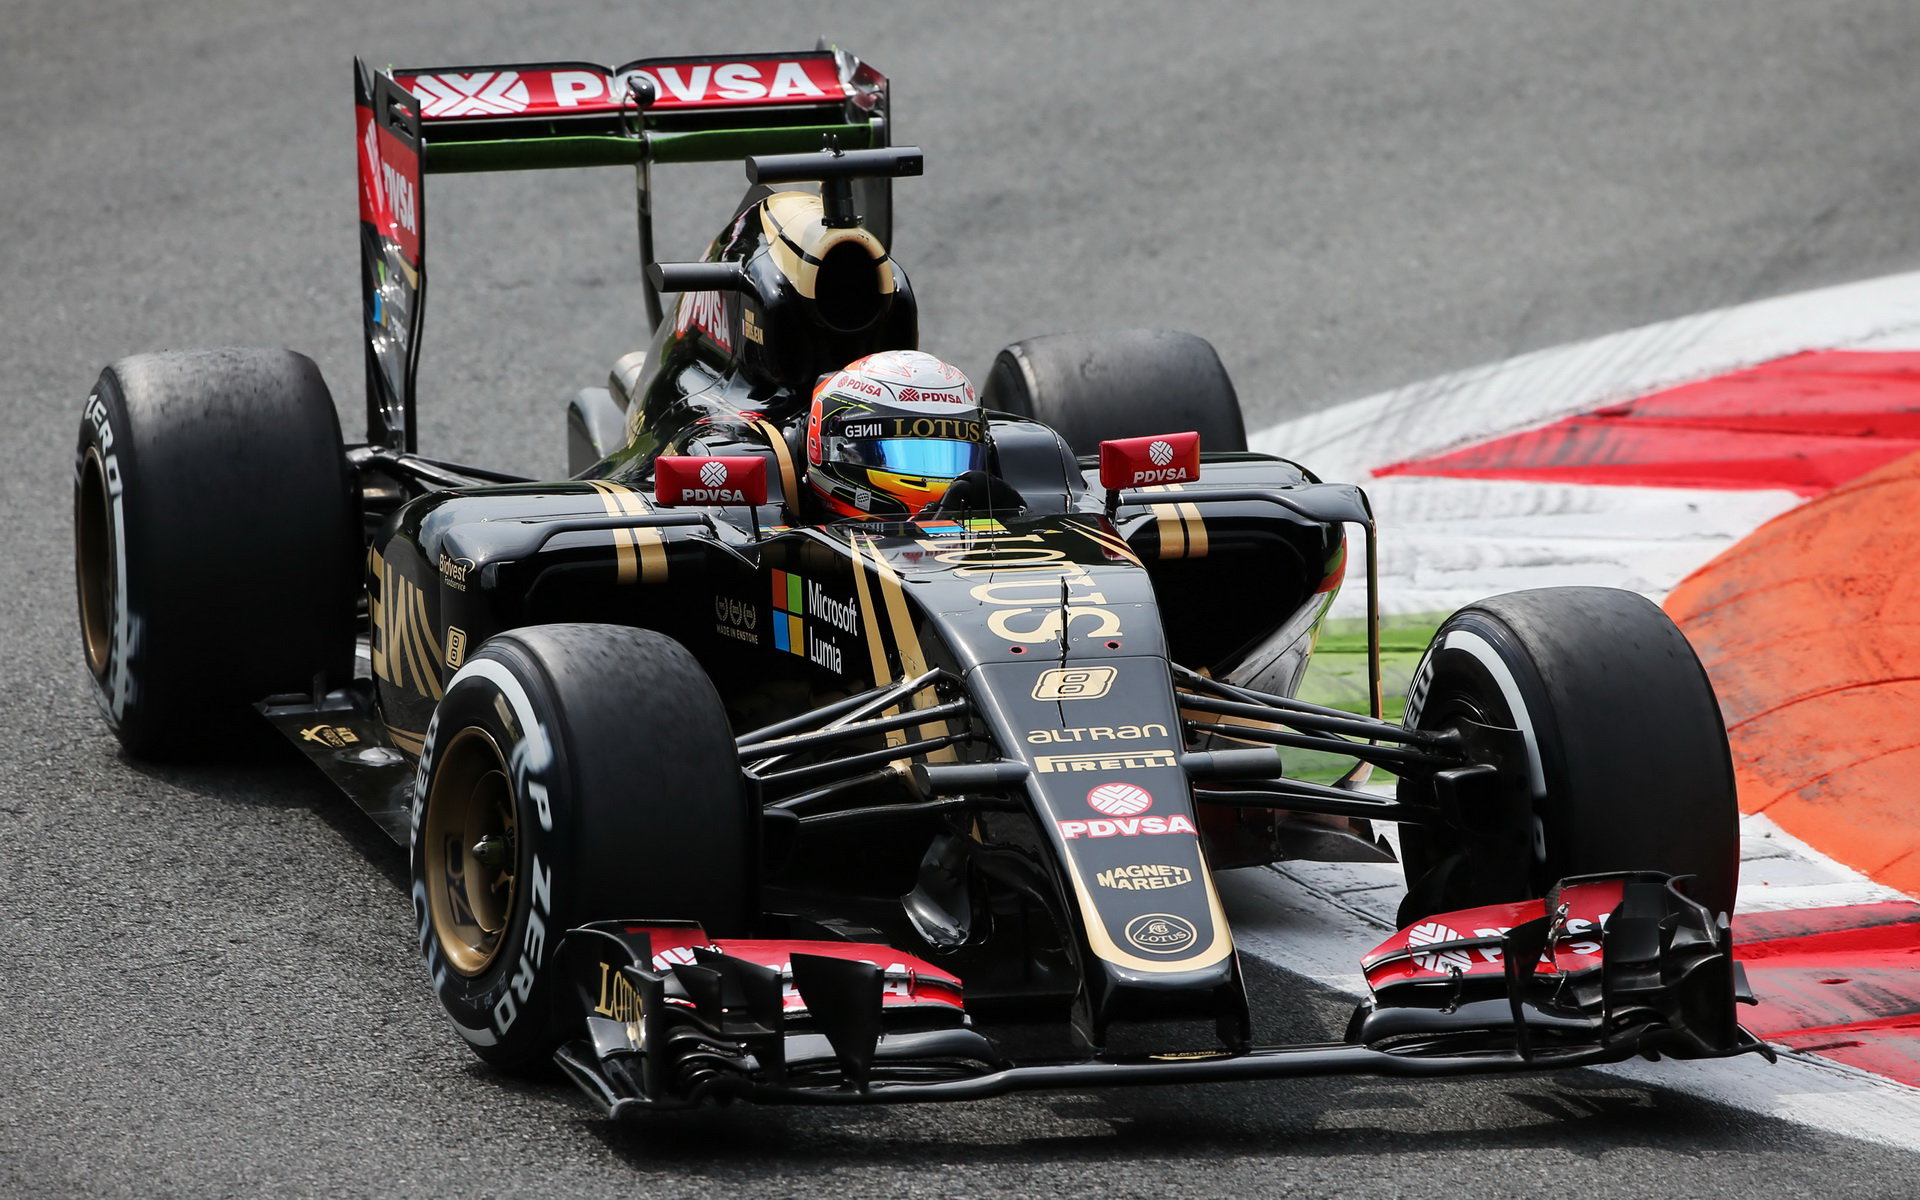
[[887, 433]]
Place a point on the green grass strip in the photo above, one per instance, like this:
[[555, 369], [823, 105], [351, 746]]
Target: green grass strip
[[1337, 678]]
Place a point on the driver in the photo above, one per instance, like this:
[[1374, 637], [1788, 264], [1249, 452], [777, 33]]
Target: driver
[[888, 433]]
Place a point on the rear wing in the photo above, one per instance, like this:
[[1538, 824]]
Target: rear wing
[[420, 121]]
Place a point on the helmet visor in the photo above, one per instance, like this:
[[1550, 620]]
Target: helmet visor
[[926, 458]]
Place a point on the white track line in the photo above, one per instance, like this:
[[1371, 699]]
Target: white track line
[[1446, 542]]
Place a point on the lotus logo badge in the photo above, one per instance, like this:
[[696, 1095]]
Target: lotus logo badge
[[1161, 933], [713, 474], [1160, 453]]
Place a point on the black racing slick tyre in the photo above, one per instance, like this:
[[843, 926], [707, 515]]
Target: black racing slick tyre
[[216, 545], [571, 773], [1626, 759], [1089, 387]]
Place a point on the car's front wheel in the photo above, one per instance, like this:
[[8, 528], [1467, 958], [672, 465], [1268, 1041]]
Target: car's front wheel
[[571, 773], [1626, 764]]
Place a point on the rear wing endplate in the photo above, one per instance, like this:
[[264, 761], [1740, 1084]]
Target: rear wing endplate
[[543, 116]]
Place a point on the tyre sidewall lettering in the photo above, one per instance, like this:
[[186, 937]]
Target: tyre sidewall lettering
[[1417, 689], [1493, 660], [1474, 647], [117, 691], [1527, 712], [512, 991]]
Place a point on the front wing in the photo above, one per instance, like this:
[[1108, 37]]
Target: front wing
[[1607, 967]]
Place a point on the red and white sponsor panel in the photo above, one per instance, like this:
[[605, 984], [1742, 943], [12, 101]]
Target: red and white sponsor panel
[[680, 479], [587, 89], [389, 185], [1434, 950], [1122, 804], [906, 981], [706, 312], [1151, 461]]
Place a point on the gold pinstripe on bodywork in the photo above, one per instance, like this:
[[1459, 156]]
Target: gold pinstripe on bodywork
[[1183, 531], [913, 659], [639, 553], [870, 623], [1196, 530], [1110, 540], [783, 455], [653, 554], [1168, 524], [626, 556]]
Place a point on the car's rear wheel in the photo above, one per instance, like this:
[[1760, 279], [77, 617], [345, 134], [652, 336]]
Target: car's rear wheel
[[1627, 763], [1090, 387], [571, 773], [216, 547]]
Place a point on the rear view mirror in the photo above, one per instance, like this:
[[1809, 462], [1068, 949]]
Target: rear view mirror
[[1144, 461], [719, 479]]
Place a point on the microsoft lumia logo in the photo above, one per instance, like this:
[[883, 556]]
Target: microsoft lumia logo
[[789, 602]]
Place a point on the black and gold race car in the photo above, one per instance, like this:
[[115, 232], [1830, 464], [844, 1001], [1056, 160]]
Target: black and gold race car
[[711, 795]]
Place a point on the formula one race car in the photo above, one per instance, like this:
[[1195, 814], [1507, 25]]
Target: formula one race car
[[789, 750]]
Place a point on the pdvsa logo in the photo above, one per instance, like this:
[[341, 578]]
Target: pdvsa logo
[[706, 312], [1119, 799], [705, 83], [479, 94], [1433, 933], [1101, 827], [737, 479], [400, 198]]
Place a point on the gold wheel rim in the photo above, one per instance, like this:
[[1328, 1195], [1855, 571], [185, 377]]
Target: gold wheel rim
[[470, 806], [94, 563]]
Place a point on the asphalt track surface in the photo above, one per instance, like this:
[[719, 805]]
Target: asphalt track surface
[[207, 985]]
